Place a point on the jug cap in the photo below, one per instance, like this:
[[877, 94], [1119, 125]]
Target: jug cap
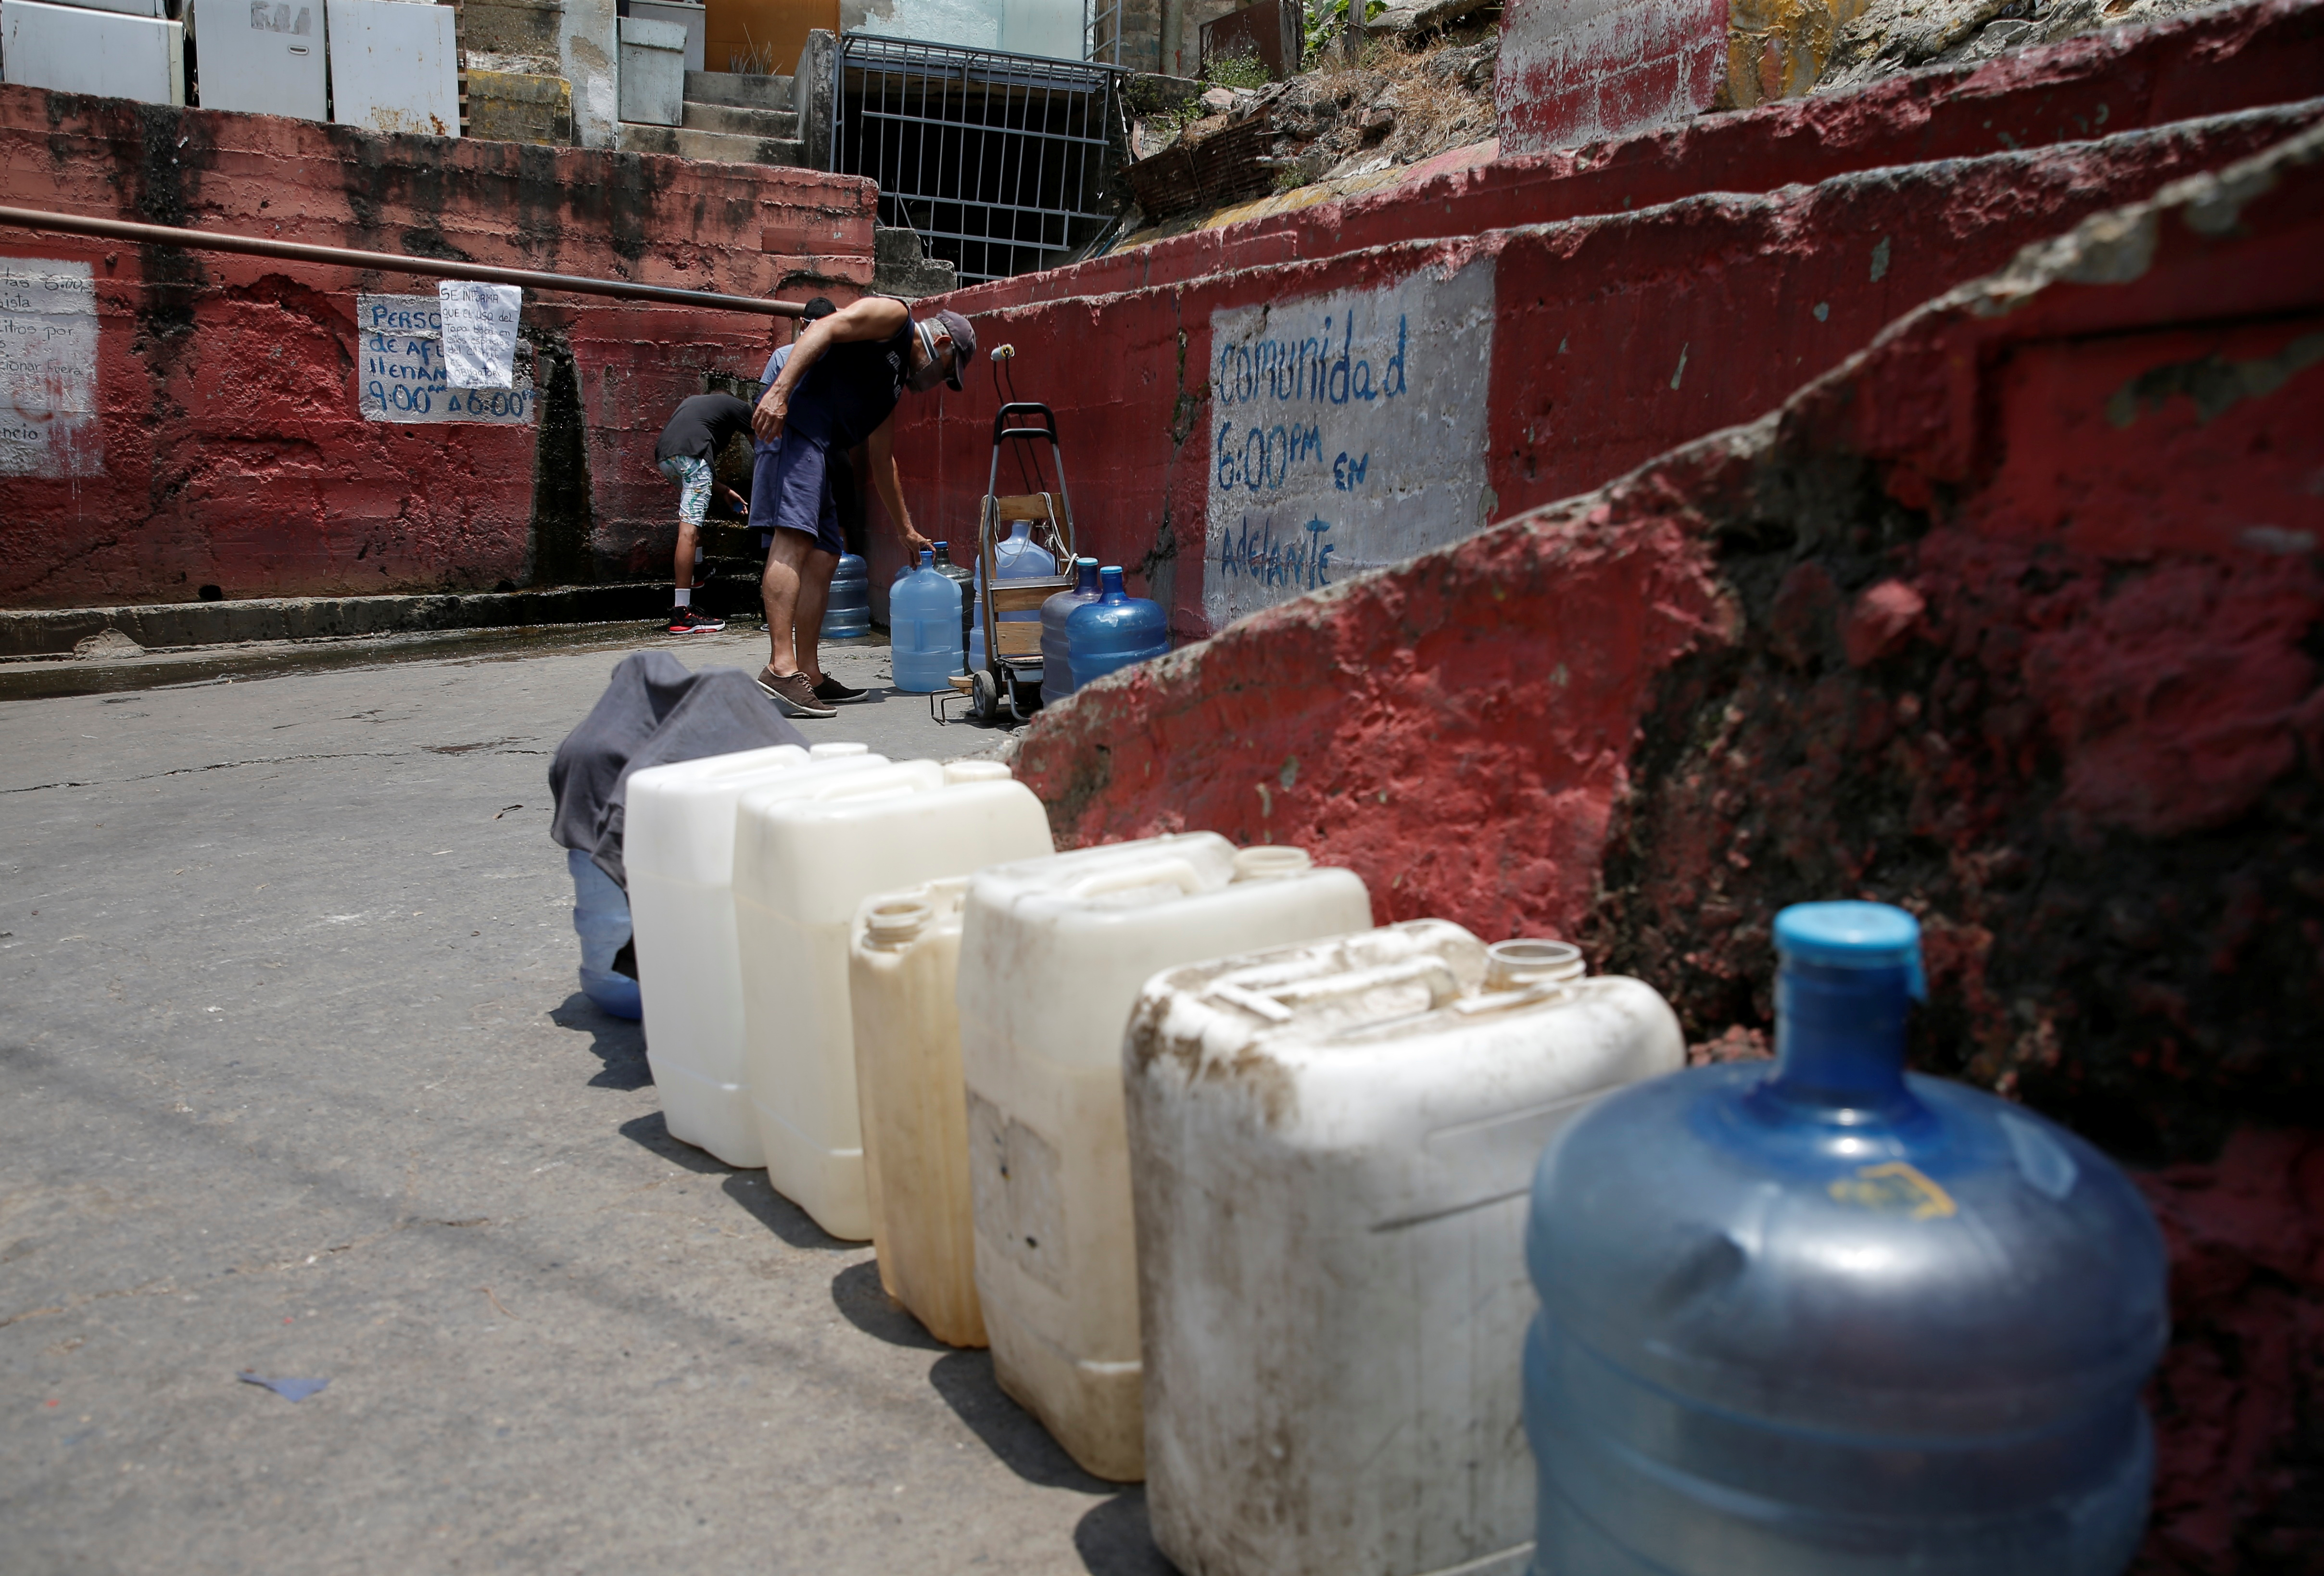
[[1525, 961], [834, 750], [1852, 936], [928, 558], [1270, 862], [960, 771], [893, 922]]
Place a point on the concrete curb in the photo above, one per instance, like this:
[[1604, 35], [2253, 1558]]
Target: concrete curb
[[53, 632]]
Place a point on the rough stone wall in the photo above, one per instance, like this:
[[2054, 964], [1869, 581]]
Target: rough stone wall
[[1611, 336], [2013, 618], [234, 453]]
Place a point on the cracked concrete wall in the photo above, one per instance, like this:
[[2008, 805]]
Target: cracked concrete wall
[[1612, 334], [2017, 619], [234, 453]]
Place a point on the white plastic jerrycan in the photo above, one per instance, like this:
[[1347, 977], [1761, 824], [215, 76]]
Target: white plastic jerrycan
[[1331, 1149], [1053, 952], [804, 863], [902, 963], [678, 845]]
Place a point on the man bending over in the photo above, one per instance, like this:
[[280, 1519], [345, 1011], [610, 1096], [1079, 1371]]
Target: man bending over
[[839, 388]]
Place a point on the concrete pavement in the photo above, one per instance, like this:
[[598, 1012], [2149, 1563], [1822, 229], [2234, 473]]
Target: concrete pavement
[[297, 1080]]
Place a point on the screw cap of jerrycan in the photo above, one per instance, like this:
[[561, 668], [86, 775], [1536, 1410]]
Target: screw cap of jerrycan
[[1790, 1313]]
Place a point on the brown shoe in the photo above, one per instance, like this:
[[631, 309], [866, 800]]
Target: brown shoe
[[795, 693]]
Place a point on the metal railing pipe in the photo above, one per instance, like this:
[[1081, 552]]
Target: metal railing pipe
[[388, 262]]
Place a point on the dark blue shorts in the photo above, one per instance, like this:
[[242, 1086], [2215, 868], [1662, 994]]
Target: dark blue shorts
[[790, 490]]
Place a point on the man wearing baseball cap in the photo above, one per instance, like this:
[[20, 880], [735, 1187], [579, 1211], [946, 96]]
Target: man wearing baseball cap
[[839, 388]]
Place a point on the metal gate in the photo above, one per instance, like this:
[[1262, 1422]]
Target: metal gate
[[1001, 162]]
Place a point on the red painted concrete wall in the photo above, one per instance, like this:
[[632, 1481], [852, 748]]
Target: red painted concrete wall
[[1615, 335], [2013, 618], [2212, 63], [1577, 71], [234, 454]]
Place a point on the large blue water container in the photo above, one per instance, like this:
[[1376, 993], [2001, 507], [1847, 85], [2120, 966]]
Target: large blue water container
[[1115, 631], [1020, 558], [1057, 653], [924, 628], [849, 611], [601, 917], [1828, 1317]]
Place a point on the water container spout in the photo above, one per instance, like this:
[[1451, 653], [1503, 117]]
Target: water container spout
[[1847, 977], [1512, 965], [1260, 865]]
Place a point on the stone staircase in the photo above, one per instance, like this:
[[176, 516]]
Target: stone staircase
[[730, 118]]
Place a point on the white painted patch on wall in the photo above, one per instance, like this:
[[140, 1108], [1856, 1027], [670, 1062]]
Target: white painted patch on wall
[[401, 372], [1347, 433], [49, 424]]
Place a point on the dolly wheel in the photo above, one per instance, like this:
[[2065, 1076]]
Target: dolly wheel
[[984, 701]]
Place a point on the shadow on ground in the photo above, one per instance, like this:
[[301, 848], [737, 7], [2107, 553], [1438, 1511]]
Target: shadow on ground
[[617, 1042], [864, 1303], [1111, 1538]]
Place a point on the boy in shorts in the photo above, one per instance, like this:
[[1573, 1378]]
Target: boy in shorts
[[698, 432]]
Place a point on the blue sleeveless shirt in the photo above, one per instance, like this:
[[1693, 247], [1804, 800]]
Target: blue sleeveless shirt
[[850, 389]]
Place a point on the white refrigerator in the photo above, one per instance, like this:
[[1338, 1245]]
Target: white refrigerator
[[395, 66], [73, 48]]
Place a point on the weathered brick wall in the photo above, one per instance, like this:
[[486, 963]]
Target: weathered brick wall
[[229, 447], [2014, 618]]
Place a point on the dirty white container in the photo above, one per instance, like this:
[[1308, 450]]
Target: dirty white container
[[803, 864], [1331, 1147], [903, 962], [678, 845], [1053, 952]]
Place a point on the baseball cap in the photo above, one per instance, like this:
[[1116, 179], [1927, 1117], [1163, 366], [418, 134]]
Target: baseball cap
[[963, 343]]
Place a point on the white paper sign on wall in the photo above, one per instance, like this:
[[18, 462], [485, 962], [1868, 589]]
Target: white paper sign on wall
[[1347, 432], [479, 332], [49, 424], [402, 376]]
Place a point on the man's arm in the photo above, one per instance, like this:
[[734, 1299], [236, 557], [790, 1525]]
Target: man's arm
[[873, 317], [881, 452]]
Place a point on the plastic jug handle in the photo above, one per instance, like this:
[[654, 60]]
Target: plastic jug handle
[[1437, 974], [1152, 873]]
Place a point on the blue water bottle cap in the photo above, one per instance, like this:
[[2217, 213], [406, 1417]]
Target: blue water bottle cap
[[928, 558], [1109, 581], [1853, 935]]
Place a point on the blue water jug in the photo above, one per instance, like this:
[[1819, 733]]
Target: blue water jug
[[1115, 631], [1828, 1317], [1057, 653], [849, 611], [1020, 558], [924, 628], [601, 917]]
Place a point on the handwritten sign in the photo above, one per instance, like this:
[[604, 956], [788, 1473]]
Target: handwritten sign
[[49, 424], [1347, 432], [479, 332], [401, 374]]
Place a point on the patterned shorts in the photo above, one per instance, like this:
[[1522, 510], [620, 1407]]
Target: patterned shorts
[[692, 475]]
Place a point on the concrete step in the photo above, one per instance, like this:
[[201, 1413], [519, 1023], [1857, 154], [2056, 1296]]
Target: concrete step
[[782, 124], [735, 88], [715, 147]]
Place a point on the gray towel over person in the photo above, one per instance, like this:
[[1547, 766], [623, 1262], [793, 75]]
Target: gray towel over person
[[655, 711]]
